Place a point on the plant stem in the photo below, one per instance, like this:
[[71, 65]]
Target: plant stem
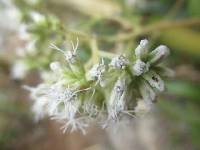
[[106, 54]]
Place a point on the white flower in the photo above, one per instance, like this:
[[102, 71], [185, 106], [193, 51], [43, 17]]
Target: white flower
[[39, 108], [37, 92], [70, 55], [66, 96], [19, 70], [154, 80], [117, 101], [97, 72], [40, 101], [119, 62], [61, 97], [158, 54], [139, 67], [142, 49], [75, 124]]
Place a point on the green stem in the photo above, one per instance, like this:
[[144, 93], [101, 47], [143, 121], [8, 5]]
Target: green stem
[[105, 54]]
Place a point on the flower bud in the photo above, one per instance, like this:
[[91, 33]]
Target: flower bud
[[117, 100], [154, 80], [70, 57], [139, 67], [158, 54], [96, 72], [142, 49], [119, 62]]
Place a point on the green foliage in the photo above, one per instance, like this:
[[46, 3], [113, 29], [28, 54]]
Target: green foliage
[[193, 7]]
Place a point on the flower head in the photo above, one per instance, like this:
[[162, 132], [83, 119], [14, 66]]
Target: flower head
[[116, 103], [70, 55], [119, 62], [71, 95], [97, 72]]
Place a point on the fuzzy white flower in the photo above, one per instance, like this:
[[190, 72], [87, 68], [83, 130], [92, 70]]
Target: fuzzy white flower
[[75, 124], [154, 80], [139, 67], [70, 55], [38, 108], [60, 96], [142, 49], [117, 101], [159, 54], [97, 72], [38, 91], [119, 62], [71, 94]]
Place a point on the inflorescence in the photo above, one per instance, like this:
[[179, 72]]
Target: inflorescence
[[105, 93]]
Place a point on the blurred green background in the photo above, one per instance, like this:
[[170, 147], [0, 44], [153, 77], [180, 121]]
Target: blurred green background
[[118, 26]]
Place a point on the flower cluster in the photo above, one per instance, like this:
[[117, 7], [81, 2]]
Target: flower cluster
[[107, 92], [37, 32]]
